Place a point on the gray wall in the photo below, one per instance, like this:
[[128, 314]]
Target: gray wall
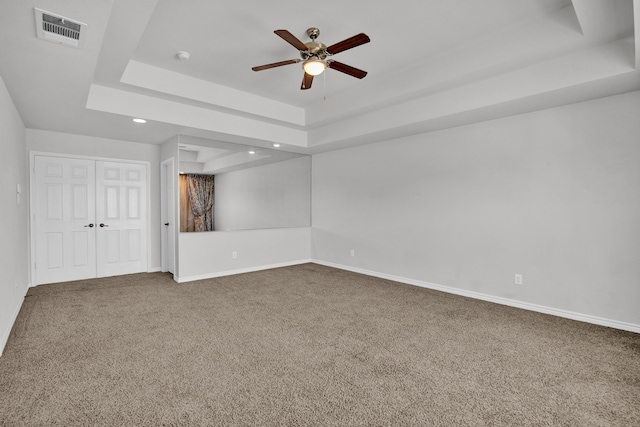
[[14, 216], [276, 195], [553, 195]]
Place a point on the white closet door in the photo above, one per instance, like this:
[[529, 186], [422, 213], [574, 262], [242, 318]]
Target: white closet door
[[121, 218], [64, 213]]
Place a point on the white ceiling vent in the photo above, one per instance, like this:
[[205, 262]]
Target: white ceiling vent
[[59, 29]]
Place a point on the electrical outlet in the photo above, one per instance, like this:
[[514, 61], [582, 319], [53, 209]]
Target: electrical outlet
[[518, 279], [234, 254], [353, 252]]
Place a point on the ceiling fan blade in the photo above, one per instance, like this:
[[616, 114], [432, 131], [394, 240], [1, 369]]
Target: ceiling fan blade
[[349, 43], [275, 64], [307, 80], [347, 69], [291, 39]]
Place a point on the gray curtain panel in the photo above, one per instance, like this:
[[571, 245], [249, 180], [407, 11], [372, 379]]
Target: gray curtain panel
[[201, 198]]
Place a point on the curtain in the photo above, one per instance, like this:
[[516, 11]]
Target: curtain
[[201, 199], [187, 221]]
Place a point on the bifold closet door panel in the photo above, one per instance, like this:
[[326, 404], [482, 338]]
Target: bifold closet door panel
[[121, 218], [64, 219]]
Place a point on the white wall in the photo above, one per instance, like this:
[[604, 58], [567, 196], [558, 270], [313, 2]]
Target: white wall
[[270, 196], [209, 254], [14, 258], [553, 195], [64, 143]]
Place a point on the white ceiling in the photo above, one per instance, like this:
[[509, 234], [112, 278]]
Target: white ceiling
[[432, 64]]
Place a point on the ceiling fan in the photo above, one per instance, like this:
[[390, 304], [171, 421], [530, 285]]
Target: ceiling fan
[[314, 55]]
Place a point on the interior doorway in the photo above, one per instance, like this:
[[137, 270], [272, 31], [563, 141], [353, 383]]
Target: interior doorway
[[168, 216]]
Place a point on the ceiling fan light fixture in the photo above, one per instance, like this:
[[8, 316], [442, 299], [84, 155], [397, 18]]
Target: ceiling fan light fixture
[[314, 55], [314, 67]]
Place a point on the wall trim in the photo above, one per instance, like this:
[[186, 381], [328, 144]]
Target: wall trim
[[14, 317], [240, 271], [490, 298]]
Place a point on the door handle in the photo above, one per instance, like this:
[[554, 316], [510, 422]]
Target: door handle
[[103, 225], [90, 225], [166, 223]]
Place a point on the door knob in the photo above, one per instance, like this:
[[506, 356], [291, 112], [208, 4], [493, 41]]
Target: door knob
[[90, 225], [103, 225]]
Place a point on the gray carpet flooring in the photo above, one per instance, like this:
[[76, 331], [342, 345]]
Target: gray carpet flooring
[[305, 345]]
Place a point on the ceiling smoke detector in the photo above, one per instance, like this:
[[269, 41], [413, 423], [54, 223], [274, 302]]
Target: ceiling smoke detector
[[183, 56], [58, 29]]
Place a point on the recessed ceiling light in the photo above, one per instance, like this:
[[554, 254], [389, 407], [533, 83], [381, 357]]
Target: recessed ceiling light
[[140, 120], [252, 152], [276, 145]]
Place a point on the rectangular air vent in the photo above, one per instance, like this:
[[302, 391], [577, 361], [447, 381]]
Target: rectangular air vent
[[59, 29]]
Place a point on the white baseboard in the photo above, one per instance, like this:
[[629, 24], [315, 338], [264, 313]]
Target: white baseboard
[[239, 271], [7, 333], [498, 300]]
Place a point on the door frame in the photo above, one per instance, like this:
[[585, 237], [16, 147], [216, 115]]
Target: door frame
[[167, 203], [32, 216]]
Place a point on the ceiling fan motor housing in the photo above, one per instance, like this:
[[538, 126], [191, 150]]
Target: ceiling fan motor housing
[[314, 50], [315, 54]]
